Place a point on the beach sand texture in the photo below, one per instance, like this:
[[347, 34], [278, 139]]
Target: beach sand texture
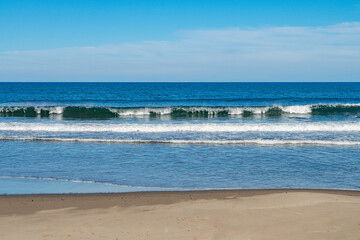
[[234, 214]]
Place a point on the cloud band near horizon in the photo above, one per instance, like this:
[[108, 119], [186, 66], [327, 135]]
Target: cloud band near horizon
[[325, 53]]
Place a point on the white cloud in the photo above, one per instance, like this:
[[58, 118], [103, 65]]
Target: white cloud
[[330, 53]]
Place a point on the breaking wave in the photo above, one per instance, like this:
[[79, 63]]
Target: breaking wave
[[85, 112]]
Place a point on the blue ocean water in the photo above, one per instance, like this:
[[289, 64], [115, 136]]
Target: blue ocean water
[[111, 137]]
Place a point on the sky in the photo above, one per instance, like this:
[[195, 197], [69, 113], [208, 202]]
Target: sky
[[179, 40]]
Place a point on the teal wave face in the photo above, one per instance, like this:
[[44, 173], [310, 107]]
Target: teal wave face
[[88, 112], [335, 109]]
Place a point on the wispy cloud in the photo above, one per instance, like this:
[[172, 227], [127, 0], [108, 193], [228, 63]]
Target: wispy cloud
[[328, 53]]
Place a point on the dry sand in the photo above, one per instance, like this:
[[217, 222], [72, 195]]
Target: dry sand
[[242, 214]]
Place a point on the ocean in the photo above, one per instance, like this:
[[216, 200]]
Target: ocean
[[123, 137]]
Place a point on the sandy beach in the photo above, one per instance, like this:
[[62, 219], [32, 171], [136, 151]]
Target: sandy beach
[[234, 214]]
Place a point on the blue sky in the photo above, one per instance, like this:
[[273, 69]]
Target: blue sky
[[138, 40]]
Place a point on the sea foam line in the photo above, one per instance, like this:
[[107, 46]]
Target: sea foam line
[[115, 185], [86, 181], [184, 127], [154, 188], [189, 142]]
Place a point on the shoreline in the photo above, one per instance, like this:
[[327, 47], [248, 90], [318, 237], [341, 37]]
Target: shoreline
[[210, 214], [17, 203]]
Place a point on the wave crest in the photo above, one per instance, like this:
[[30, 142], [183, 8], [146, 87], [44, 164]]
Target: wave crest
[[84, 112]]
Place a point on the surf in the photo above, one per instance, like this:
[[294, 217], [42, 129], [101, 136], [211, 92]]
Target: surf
[[94, 112], [328, 126]]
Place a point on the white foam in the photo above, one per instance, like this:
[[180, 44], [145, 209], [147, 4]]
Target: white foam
[[214, 111], [205, 127], [297, 109], [141, 111], [56, 110]]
